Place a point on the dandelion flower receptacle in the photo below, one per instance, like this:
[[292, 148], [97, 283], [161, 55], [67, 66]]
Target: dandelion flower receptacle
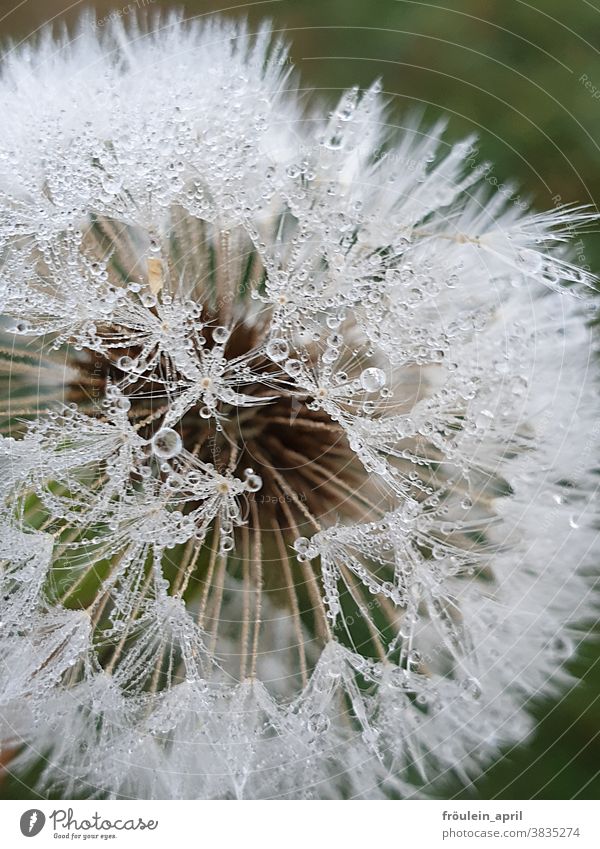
[[297, 488]]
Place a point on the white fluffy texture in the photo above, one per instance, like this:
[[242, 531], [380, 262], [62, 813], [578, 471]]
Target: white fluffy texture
[[458, 303]]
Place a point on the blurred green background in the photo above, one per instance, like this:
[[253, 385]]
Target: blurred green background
[[525, 76]]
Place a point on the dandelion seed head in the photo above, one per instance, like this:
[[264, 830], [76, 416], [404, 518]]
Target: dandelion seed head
[[297, 470]]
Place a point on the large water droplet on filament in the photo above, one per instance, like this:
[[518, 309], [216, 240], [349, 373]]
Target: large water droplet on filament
[[372, 379], [166, 443]]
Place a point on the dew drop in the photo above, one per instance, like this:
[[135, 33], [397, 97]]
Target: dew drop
[[561, 647], [221, 334], [277, 350], [333, 143], [484, 419], [166, 443], [372, 379], [148, 299], [126, 363], [253, 481], [301, 544], [226, 545], [414, 659], [318, 723], [293, 367], [471, 687]]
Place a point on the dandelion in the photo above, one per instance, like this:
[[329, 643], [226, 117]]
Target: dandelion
[[297, 490]]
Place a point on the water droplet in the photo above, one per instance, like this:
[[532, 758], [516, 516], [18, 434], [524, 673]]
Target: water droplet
[[318, 723], [126, 363], [293, 367], [226, 545], [484, 419], [414, 659], [333, 143], [221, 335], [148, 299], [530, 261], [301, 545], [472, 687], [372, 379], [253, 481], [561, 647], [277, 350], [111, 184], [370, 737], [166, 443]]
